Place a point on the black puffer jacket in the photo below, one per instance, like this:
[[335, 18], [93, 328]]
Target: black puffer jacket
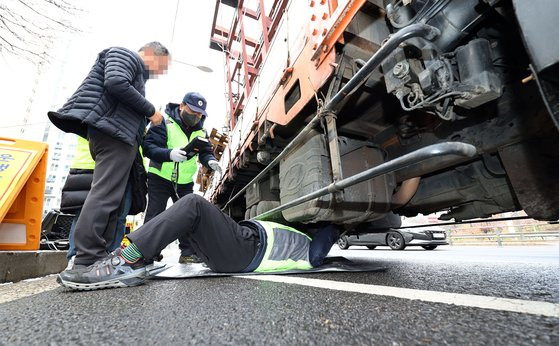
[[78, 183], [111, 98], [75, 190]]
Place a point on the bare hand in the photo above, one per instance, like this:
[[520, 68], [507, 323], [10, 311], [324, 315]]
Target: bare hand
[[156, 118]]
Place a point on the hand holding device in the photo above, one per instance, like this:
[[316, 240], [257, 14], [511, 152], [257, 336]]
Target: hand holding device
[[178, 155], [215, 166]]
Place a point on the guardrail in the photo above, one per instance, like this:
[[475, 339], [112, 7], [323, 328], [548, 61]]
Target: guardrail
[[509, 238]]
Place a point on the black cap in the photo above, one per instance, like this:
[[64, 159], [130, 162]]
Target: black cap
[[196, 102]]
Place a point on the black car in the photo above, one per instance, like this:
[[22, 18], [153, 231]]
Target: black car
[[397, 239]]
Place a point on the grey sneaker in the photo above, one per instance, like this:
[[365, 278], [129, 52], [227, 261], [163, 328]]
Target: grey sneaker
[[110, 272], [72, 265]]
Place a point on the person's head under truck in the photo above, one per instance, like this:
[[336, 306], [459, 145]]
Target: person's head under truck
[[172, 169], [223, 244]]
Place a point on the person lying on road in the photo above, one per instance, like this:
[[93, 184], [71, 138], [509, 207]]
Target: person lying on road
[[223, 244]]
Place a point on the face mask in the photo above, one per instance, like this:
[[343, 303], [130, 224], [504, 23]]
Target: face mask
[[189, 119]]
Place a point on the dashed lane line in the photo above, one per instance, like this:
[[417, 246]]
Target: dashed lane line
[[468, 300]]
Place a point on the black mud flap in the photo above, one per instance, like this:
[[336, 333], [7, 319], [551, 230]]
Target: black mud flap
[[537, 21]]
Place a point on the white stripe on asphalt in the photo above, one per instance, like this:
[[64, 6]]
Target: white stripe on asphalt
[[12, 291], [469, 300]]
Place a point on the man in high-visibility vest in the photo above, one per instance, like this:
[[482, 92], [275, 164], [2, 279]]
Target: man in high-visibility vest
[[223, 244], [171, 172]]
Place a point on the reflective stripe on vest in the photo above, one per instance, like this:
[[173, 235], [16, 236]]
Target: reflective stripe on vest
[[82, 156], [176, 138], [286, 249]]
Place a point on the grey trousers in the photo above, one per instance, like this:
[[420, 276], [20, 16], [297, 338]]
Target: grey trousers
[[96, 226], [224, 245]]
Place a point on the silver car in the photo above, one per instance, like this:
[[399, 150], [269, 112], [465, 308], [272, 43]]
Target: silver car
[[397, 239]]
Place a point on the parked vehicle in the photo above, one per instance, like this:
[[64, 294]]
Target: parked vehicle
[[345, 111], [396, 239]]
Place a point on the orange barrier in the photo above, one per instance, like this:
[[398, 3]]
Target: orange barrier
[[23, 168]]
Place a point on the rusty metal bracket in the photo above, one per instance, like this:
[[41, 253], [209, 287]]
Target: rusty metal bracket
[[335, 157]]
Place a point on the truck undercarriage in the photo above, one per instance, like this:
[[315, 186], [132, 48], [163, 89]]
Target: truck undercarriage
[[437, 104]]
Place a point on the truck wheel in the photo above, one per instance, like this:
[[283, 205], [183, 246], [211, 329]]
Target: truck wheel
[[343, 243], [395, 241], [253, 211], [429, 247], [371, 247], [264, 206]]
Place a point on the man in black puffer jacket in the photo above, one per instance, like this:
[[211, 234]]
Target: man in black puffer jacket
[[109, 108]]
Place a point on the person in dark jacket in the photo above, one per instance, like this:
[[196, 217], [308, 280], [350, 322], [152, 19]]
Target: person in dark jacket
[[170, 173], [74, 193], [109, 108], [223, 244]]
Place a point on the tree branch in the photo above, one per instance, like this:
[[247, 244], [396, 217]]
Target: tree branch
[[42, 15], [19, 50], [28, 27], [20, 18], [23, 27]]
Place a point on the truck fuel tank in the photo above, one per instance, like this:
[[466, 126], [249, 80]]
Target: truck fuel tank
[[308, 169]]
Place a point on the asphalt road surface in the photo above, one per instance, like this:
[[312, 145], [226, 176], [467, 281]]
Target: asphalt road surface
[[452, 295]]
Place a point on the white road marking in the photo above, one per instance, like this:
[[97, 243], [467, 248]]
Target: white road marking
[[26, 288], [469, 300]]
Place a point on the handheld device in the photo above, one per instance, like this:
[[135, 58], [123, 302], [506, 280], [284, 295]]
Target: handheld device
[[193, 148]]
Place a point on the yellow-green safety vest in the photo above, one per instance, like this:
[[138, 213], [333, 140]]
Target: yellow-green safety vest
[[286, 249], [176, 138], [82, 156]]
